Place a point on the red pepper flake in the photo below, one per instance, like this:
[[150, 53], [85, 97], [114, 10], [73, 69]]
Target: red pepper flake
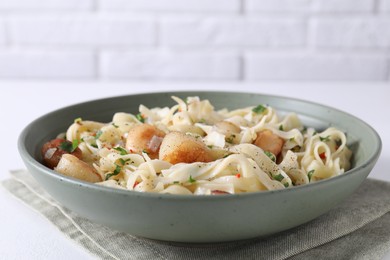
[[238, 175], [322, 155], [135, 184]]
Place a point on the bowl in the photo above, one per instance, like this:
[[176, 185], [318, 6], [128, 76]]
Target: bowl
[[200, 219]]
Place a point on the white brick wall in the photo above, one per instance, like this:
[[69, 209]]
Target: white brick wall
[[47, 64], [315, 67], [277, 6], [81, 30], [46, 5], [344, 6], [167, 65], [229, 6], [233, 32], [230, 40], [2, 33], [385, 5], [352, 32]]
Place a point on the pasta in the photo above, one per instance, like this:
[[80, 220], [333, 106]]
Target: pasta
[[191, 148]]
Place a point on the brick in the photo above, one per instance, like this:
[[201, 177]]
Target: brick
[[46, 65], [277, 6], [352, 32], [237, 32], [38, 5], [384, 5], [155, 65], [349, 6], [171, 5], [314, 67], [2, 33], [90, 30]]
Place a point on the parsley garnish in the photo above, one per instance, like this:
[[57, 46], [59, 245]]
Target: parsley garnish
[[123, 162], [286, 184], [210, 146], [121, 150], [270, 155], [325, 139], [278, 177], [114, 125], [176, 182], [69, 147], [144, 151], [140, 117], [281, 128], [98, 134], [259, 109], [309, 174], [94, 145], [116, 172], [191, 180]]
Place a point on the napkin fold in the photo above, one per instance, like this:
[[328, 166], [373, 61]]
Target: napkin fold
[[359, 228]]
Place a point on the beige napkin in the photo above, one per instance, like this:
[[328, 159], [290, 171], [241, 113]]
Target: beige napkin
[[359, 228]]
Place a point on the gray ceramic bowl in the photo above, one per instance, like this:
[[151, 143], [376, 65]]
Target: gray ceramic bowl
[[200, 218]]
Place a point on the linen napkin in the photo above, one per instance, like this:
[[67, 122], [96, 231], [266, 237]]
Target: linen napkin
[[359, 228]]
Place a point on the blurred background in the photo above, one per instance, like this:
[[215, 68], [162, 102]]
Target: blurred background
[[205, 40]]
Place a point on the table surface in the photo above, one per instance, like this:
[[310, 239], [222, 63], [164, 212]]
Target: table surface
[[28, 235]]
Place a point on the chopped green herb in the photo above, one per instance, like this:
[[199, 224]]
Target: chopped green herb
[[325, 139], [78, 120], [270, 155], [315, 132], [202, 121], [121, 150], [226, 155], [292, 139], [69, 147], [66, 146], [94, 145], [123, 162], [310, 174], [140, 117], [191, 180], [278, 177], [259, 109], [116, 172], [286, 184], [98, 134], [144, 151], [176, 182], [75, 144], [114, 125], [281, 128], [210, 146]]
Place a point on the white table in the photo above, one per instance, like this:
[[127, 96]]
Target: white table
[[27, 235]]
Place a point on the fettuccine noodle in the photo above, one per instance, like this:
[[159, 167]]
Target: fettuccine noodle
[[191, 148]]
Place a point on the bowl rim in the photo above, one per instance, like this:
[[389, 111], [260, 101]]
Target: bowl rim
[[29, 159]]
